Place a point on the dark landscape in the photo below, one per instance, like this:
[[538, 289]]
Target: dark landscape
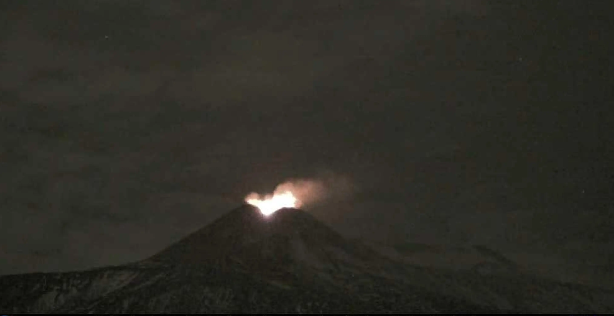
[[306, 156], [289, 262]]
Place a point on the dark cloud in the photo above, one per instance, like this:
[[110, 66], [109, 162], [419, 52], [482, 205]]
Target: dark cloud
[[128, 124]]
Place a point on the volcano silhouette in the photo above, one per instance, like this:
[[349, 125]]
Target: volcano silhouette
[[288, 262], [289, 239]]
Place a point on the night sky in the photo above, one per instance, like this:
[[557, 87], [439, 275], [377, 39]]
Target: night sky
[[126, 125]]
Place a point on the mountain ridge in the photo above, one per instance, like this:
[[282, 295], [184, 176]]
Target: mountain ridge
[[287, 262]]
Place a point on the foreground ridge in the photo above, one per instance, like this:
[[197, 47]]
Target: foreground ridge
[[288, 262]]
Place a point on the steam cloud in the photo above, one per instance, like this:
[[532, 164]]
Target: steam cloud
[[315, 190]]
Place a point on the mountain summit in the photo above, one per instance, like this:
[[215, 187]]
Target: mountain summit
[[288, 239], [287, 262]]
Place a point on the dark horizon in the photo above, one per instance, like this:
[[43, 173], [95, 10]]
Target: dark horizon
[[126, 125]]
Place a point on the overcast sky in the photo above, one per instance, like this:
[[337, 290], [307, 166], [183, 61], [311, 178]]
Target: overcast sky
[[126, 125]]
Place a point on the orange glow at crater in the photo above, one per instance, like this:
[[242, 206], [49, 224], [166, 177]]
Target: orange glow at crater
[[271, 203]]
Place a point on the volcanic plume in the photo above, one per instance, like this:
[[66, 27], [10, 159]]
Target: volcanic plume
[[273, 202], [297, 193]]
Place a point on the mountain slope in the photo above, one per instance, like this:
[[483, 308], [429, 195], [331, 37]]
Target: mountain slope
[[288, 262], [290, 238]]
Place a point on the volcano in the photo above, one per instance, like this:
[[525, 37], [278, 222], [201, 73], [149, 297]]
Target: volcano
[[288, 262], [290, 240]]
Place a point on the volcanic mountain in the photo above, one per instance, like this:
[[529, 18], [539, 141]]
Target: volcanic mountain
[[289, 241], [287, 262]]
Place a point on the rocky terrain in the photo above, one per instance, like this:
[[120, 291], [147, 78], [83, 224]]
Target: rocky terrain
[[292, 263]]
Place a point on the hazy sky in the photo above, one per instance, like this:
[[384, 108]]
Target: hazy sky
[[125, 125]]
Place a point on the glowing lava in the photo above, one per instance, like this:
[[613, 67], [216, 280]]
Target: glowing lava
[[273, 202]]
